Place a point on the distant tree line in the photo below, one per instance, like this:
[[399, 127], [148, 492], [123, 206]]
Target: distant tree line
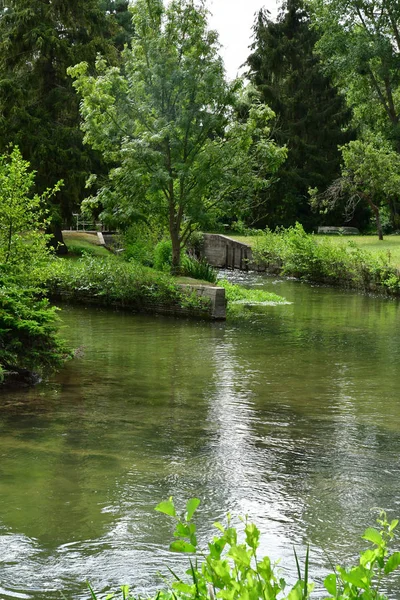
[[328, 69]]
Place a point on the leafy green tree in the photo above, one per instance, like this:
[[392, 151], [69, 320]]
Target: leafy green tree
[[39, 109], [310, 114], [370, 175], [28, 337], [22, 218], [165, 121], [360, 47], [360, 44]]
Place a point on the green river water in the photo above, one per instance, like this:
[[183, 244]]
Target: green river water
[[291, 416]]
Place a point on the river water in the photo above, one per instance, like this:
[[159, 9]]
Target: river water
[[290, 415]]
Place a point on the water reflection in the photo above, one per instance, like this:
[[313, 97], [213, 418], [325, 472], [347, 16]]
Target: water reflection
[[290, 415]]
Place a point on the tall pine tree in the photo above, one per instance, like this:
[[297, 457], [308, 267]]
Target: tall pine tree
[[310, 115], [39, 109]]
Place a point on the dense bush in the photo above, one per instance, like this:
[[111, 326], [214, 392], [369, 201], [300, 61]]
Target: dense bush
[[230, 569], [294, 252], [28, 330]]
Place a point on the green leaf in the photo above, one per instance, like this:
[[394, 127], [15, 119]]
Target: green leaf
[[373, 535], [393, 525], [296, 592], [330, 584], [357, 577], [182, 546], [191, 508], [392, 563], [167, 508]]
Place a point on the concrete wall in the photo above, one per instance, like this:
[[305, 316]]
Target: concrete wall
[[223, 252], [216, 296]]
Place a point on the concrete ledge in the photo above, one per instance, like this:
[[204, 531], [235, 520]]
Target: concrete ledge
[[215, 294]]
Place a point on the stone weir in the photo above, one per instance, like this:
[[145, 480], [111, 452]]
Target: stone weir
[[223, 252]]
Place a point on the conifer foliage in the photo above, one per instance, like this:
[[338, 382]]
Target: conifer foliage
[[39, 109], [310, 115]]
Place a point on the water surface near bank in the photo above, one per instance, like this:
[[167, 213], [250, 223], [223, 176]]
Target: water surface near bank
[[291, 415]]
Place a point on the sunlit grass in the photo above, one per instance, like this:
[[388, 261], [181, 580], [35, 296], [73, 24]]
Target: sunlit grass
[[79, 242], [389, 246]]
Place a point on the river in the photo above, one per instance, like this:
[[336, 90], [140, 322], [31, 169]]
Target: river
[[291, 415]]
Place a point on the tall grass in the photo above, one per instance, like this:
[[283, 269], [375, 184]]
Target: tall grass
[[296, 253]]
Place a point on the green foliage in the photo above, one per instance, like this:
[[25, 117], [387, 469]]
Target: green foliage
[[28, 325], [198, 269], [139, 242], [360, 47], [28, 329], [293, 252], [39, 109], [310, 114], [22, 217], [164, 121], [231, 569], [163, 255], [111, 281]]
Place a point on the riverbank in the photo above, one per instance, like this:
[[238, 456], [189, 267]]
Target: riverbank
[[110, 281], [317, 259]]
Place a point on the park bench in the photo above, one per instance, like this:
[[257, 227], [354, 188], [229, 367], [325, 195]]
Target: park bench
[[328, 230]]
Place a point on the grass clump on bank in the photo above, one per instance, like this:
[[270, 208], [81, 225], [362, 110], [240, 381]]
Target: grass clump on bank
[[296, 253], [111, 281], [236, 294]]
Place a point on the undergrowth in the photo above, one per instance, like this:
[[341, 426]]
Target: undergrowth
[[296, 253]]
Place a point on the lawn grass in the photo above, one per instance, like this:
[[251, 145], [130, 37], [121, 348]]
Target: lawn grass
[[389, 246], [79, 242]]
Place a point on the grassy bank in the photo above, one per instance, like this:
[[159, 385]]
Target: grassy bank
[[327, 260], [110, 281], [82, 242], [388, 248]]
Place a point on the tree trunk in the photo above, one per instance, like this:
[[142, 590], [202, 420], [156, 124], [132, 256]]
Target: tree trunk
[[176, 252], [375, 210], [57, 240]]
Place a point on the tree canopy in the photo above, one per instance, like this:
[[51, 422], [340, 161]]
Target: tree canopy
[[310, 114], [39, 109], [165, 121]]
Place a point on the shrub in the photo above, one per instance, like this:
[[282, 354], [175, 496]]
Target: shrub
[[28, 329], [198, 269], [294, 252], [163, 255], [111, 281], [232, 570]]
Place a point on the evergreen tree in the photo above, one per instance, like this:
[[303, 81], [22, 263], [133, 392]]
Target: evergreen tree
[[39, 109], [310, 115]]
